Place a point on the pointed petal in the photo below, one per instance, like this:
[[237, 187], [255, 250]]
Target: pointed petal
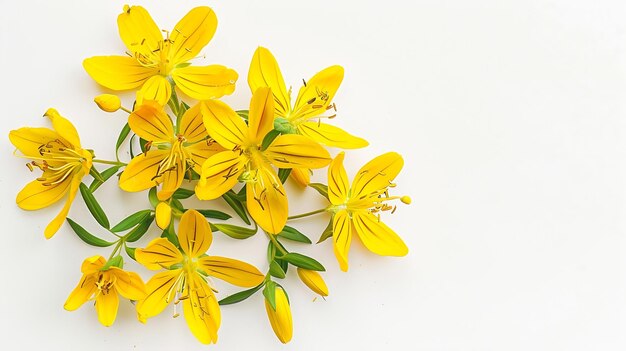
[[92, 264], [296, 151], [220, 173], [55, 224], [223, 124], [205, 82], [233, 271], [192, 126], [331, 136], [267, 201], [151, 123], [201, 151], [280, 319], [157, 88], [192, 33], [342, 237], [85, 289], [141, 173], [28, 140], [128, 284], [36, 196], [376, 236], [172, 180], [302, 176], [201, 310], [338, 185], [316, 96], [376, 175], [161, 291], [194, 233], [106, 306], [261, 115], [159, 254], [138, 31], [118, 72], [63, 127], [264, 72]]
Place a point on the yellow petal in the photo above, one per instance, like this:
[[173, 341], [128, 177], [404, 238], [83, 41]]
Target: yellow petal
[[151, 123], [313, 280], [106, 307], [191, 34], [159, 254], [192, 126], [85, 289], [141, 173], [201, 151], [233, 271], [338, 185], [280, 319], [64, 127], [36, 196], [261, 115], [267, 201], [118, 72], [205, 82], [314, 98], [55, 224], [342, 237], [220, 173], [172, 179], [376, 175], [163, 215], [302, 176], [331, 136], [194, 233], [264, 72], [157, 89], [92, 264], [376, 236], [201, 310], [296, 151], [162, 288], [29, 140], [223, 124], [138, 31], [128, 284]]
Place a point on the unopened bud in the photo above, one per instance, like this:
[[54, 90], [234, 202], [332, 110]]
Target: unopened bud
[[163, 215], [314, 281], [108, 102], [405, 199]]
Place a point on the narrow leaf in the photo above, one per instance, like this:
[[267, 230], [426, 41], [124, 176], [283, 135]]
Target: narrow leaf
[[240, 296], [293, 234], [140, 229], [95, 174], [143, 144], [120, 139], [283, 174], [276, 270], [106, 174], [321, 188], [231, 199], [86, 236], [130, 251], [152, 197], [302, 261], [116, 261], [270, 293], [328, 232], [234, 231], [182, 193], [215, 214], [131, 221], [269, 138], [94, 207], [243, 114]]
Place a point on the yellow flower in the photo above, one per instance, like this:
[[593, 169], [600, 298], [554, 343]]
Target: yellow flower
[[174, 152], [246, 160], [153, 60], [184, 280], [103, 287], [357, 209], [313, 280], [280, 318], [64, 163]]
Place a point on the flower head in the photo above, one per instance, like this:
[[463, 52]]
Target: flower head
[[186, 276], [102, 284], [356, 208], [247, 160], [173, 152], [58, 154], [153, 59]]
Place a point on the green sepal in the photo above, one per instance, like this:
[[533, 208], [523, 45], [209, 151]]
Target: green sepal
[[152, 197], [276, 270], [270, 293], [294, 235], [234, 231], [284, 126], [269, 138], [170, 235], [87, 237], [130, 251], [131, 221], [94, 207], [240, 296], [115, 261], [321, 188], [243, 114], [302, 261], [327, 233], [283, 174], [143, 144]]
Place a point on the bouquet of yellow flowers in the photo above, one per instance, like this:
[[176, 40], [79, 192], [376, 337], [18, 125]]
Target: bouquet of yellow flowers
[[185, 142]]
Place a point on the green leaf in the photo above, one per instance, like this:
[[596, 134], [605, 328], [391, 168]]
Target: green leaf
[[86, 236], [106, 174], [243, 114], [269, 138], [283, 174], [293, 234], [170, 235], [115, 261], [270, 293], [152, 197], [240, 296], [130, 251], [233, 231], [94, 207], [321, 188], [182, 193], [231, 199], [120, 139], [215, 214], [131, 221], [328, 232], [302, 261], [140, 229], [276, 270], [177, 206], [131, 149], [95, 174], [143, 144]]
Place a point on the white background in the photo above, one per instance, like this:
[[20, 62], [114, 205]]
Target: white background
[[510, 116]]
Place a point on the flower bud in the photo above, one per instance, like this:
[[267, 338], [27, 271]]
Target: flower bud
[[405, 199], [314, 281], [163, 215], [108, 102], [280, 318]]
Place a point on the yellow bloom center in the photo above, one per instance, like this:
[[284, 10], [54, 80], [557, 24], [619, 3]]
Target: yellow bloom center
[[105, 283], [257, 162], [155, 57], [178, 155], [59, 161]]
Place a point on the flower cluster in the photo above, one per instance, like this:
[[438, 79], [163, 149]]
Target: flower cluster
[[206, 149]]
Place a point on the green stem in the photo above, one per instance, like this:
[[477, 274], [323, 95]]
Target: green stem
[[126, 110], [105, 162], [116, 249], [276, 243], [307, 214]]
